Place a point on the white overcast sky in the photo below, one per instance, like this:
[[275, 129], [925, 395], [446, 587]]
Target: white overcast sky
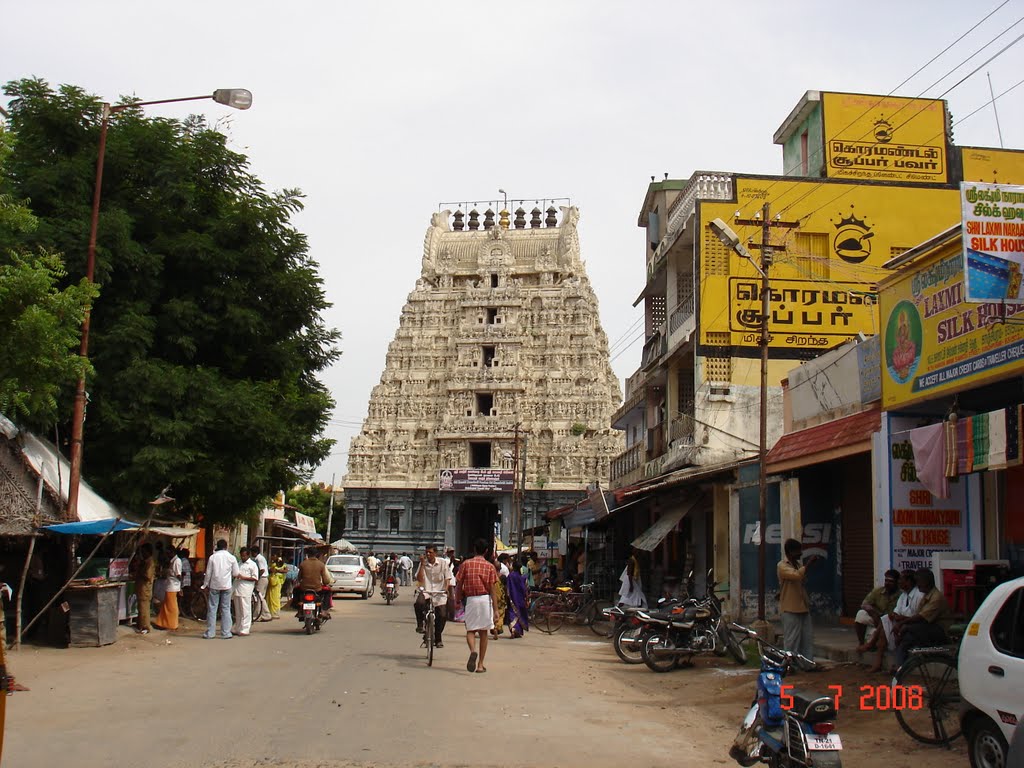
[[378, 111]]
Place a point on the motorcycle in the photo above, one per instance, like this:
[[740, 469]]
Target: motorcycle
[[791, 731], [389, 591], [674, 639], [312, 615], [629, 630]]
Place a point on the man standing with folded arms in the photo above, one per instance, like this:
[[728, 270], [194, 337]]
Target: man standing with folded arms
[[221, 570], [475, 582]]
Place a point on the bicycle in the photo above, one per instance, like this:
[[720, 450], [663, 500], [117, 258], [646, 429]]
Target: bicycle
[[259, 605], [552, 610], [429, 620], [195, 602], [931, 671]]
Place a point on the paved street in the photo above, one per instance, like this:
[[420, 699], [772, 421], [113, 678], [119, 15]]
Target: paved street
[[360, 694]]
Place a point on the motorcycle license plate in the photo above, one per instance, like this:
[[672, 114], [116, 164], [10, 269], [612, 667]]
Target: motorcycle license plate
[[829, 741], [309, 606]]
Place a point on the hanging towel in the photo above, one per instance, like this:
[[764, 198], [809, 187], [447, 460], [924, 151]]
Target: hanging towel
[[949, 435], [929, 445], [1013, 441], [997, 439], [964, 446], [979, 435]]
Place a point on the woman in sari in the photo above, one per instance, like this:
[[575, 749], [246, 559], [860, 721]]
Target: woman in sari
[[277, 573], [517, 602], [500, 601]]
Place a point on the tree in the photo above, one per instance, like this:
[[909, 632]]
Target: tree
[[315, 501], [40, 324], [208, 338]]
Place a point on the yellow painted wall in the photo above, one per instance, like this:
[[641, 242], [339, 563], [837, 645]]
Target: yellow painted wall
[[885, 138], [994, 166], [824, 284]]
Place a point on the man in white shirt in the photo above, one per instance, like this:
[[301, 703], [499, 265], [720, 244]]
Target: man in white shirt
[[373, 563], [262, 583], [221, 569], [435, 577], [405, 568], [906, 606], [245, 583]]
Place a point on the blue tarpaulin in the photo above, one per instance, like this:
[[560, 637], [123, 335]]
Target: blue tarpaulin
[[91, 527]]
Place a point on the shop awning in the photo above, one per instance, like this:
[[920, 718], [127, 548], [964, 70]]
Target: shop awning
[[91, 527], [580, 517], [653, 536], [174, 531], [843, 437]]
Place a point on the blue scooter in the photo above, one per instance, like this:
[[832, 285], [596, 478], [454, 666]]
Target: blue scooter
[[792, 730]]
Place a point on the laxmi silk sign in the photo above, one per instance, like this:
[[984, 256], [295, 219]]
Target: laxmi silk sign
[[993, 235], [472, 479]]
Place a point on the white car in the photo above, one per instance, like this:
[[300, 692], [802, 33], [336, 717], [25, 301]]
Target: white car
[[351, 574], [991, 674]]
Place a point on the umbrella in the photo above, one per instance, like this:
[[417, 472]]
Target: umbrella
[[344, 545]]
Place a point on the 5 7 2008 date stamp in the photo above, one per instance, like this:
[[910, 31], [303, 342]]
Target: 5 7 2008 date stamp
[[872, 697]]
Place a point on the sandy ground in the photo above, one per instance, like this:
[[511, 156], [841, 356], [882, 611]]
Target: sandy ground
[[360, 694]]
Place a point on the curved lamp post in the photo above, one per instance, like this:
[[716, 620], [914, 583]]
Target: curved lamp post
[[238, 98]]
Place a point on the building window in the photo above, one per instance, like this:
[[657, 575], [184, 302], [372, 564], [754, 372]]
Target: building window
[[491, 315], [480, 455], [432, 519], [417, 519], [371, 518], [395, 519], [804, 154], [488, 357], [494, 279], [485, 404], [811, 256], [354, 518]]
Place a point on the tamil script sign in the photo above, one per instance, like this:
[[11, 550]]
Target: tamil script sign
[[491, 480], [993, 233]]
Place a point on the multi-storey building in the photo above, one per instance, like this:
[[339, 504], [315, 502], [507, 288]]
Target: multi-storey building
[[499, 363], [865, 178]]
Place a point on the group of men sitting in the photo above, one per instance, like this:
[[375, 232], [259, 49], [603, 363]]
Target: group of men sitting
[[907, 611]]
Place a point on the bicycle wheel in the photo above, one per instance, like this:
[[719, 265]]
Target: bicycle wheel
[[601, 623], [428, 637], [197, 606], [936, 720], [548, 615]]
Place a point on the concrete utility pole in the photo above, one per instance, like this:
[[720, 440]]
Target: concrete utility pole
[[330, 511], [515, 530], [767, 252]]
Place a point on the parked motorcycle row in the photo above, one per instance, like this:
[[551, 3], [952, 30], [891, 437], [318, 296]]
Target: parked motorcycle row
[[783, 731]]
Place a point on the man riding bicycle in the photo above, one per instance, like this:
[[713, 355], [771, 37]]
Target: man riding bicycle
[[434, 578]]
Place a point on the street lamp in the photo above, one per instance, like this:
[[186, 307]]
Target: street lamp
[[238, 98], [731, 240]]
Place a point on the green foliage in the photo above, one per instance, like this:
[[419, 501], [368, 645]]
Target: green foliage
[[208, 337], [578, 429], [40, 324], [315, 502]]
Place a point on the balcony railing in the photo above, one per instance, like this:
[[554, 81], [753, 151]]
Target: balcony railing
[[655, 347], [682, 429], [628, 461], [683, 310], [631, 402], [704, 185], [655, 441]]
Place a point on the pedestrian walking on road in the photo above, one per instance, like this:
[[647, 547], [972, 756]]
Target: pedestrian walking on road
[[631, 589], [405, 564], [245, 584], [475, 582], [278, 570], [144, 575], [263, 583], [794, 605], [168, 616], [221, 569]]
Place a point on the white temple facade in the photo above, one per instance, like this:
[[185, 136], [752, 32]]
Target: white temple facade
[[499, 339]]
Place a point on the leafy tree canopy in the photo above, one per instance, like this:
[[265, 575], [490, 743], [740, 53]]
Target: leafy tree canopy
[[40, 324], [315, 501], [208, 337]]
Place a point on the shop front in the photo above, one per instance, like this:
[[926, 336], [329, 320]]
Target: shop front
[[952, 463]]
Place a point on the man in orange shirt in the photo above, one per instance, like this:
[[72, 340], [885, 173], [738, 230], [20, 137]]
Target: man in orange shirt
[[475, 582]]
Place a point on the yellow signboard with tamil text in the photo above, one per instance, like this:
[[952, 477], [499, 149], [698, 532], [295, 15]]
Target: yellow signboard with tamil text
[[823, 286], [934, 342], [885, 138]]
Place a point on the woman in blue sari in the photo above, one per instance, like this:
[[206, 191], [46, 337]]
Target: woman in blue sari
[[517, 601]]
